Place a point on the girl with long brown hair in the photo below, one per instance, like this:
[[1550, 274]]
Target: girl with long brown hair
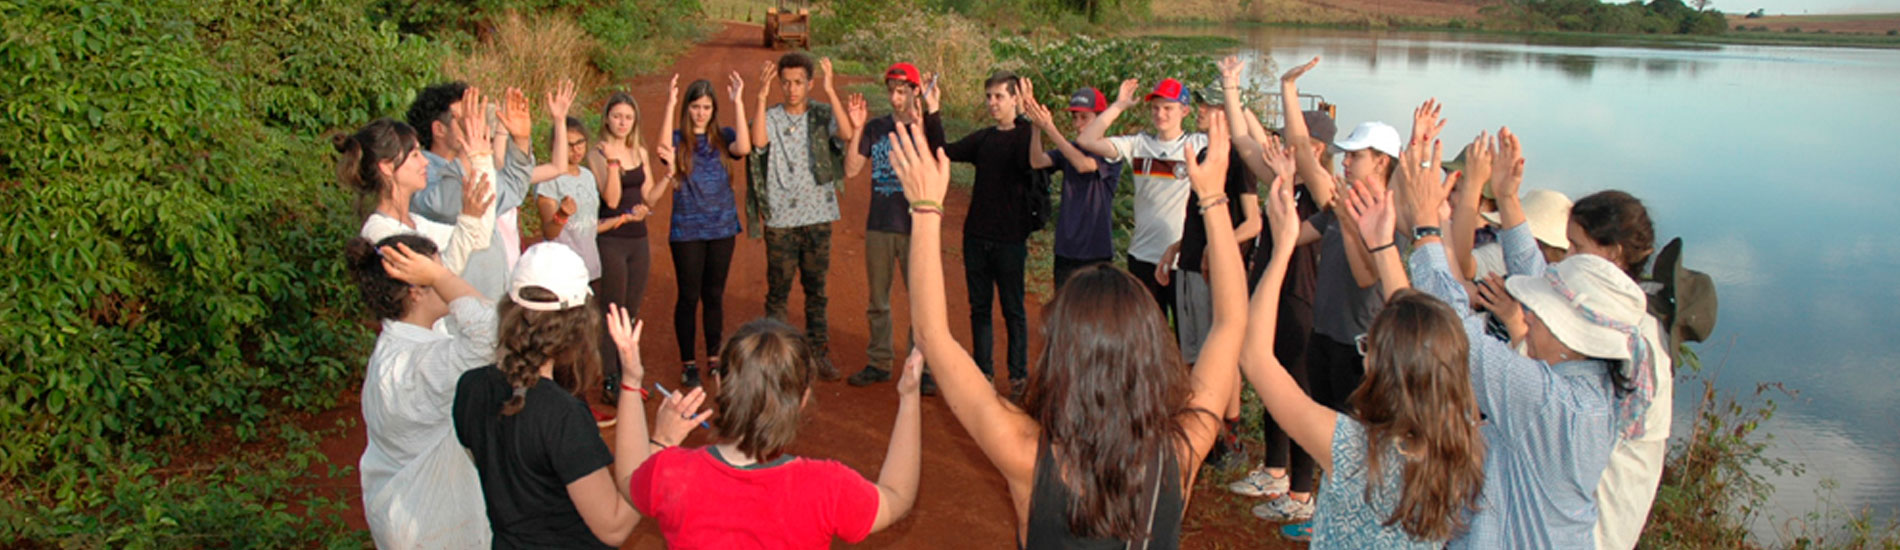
[[705, 210], [1104, 447], [1406, 465], [627, 186]]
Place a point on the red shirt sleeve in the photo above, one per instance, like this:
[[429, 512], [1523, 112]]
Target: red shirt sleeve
[[852, 500], [640, 485]]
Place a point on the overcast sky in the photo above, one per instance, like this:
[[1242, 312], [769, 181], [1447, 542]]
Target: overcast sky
[[1798, 7]]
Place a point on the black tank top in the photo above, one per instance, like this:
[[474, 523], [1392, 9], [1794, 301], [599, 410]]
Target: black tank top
[[630, 183], [1160, 507]]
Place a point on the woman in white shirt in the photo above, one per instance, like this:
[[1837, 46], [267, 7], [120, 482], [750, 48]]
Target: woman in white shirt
[[384, 164]]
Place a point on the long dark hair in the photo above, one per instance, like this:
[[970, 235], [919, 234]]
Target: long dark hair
[[683, 155], [1619, 219], [530, 338], [386, 297], [360, 155], [1417, 391], [761, 401], [1108, 392]]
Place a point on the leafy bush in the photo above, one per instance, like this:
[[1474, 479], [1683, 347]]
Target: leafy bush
[[533, 53], [170, 225], [631, 38], [956, 48], [1060, 67]]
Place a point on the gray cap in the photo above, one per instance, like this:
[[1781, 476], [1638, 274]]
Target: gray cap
[[1320, 126]]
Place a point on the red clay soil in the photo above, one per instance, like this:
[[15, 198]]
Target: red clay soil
[[1857, 24], [1435, 9], [962, 500]]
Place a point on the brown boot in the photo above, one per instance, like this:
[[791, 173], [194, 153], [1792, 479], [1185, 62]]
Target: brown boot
[[827, 371]]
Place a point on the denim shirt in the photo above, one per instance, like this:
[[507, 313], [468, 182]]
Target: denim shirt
[[1549, 431], [827, 164]]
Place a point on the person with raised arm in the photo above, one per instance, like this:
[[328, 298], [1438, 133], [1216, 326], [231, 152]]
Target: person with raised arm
[[419, 489], [384, 165], [1086, 221], [1118, 475], [705, 212], [887, 225], [566, 195], [997, 228], [454, 158], [795, 173], [547, 478], [1616, 227], [1554, 412], [1158, 158], [746, 491]]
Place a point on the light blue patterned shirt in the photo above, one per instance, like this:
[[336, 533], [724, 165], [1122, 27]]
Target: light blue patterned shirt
[[441, 202], [1548, 434], [1344, 517]]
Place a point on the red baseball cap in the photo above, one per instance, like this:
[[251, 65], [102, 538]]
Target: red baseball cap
[[1171, 90], [1088, 99], [905, 72]]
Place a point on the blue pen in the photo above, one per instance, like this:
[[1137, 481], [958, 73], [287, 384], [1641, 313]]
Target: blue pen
[[665, 393]]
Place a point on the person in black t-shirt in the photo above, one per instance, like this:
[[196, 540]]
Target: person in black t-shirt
[[543, 467], [996, 230], [887, 227]]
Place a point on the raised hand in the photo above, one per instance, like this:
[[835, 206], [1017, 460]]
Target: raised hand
[[1283, 214], [824, 69], [1279, 158], [924, 172], [767, 75], [857, 109], [477, 194], [678, 415], [1210, 178], [471, 116], [514, 114], [626, 335], [1478, 165], [1422, 184], [673, 91], [933, 95], [913, 375], [408, 266], [1125, 95], [561, 98], [1507, 167], [1295, 73], [735, 86], [1373, 214], [1425, 122], [1230, 68]]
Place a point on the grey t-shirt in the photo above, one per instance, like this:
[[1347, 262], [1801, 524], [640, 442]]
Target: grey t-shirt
[[795, 199], [1341, 310]]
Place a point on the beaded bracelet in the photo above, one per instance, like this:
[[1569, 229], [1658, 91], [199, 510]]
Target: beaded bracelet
[[1218, 201]]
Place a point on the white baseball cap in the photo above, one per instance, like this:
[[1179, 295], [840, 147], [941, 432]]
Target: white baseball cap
[[1548, 213], [1379, 136], [555, 267]]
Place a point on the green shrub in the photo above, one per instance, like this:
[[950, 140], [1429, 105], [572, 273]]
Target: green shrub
[[1893, 32], [172, 231], [957, 48], [1791, 30]]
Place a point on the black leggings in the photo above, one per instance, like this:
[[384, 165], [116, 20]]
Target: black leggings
[[1290, 347], [700, 268], [623, 281]]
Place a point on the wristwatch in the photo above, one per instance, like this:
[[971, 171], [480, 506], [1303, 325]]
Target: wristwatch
[[1424, 231]]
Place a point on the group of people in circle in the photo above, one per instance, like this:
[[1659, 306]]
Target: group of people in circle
[[1445, 361]]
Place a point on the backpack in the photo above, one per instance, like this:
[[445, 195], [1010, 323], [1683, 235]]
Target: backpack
[[1041, 209]]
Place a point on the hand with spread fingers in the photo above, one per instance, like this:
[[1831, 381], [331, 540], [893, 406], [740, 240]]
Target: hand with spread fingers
[[1126, 95], [1507, 168], [767, 75], [735, 87], [477, 194], [1422, 186], [1209, 178], [514, 114], [1373, 214], [1426, 123], [626, 336], [925, 172], [1279, 158], [561, 98], [1283, 215]]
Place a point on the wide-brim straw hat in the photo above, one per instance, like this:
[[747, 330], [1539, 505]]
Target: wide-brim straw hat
[[1548, 213]]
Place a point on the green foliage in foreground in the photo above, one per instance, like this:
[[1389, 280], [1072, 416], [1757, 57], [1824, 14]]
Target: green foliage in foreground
[[172, 234]]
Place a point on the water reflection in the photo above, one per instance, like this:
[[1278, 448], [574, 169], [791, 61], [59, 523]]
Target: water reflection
[[1774, 164]]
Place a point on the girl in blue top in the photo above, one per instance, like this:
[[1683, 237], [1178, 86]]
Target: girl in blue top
[[705, 211]]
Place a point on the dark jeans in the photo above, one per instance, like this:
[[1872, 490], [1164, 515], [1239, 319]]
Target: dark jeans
[[624, 263], [994, 271], [806, 251], [700, 269], [1068, 266], [1336, 370], [1289, 346], [1164, 295]]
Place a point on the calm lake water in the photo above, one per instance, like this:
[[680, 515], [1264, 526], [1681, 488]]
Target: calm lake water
[[1776, 165]]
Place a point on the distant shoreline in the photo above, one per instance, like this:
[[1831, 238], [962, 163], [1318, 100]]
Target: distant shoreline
[[1734, 38]]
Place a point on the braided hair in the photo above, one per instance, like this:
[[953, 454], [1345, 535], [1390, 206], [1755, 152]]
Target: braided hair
[[529, 339]]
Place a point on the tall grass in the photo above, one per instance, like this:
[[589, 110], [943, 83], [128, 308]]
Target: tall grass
[[951, 45], [532, 52]]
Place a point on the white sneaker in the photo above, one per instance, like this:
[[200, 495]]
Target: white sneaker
[[1259, 483], [1284, 508]]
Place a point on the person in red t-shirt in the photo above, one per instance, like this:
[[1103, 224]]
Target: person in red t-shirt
[[744, 491]]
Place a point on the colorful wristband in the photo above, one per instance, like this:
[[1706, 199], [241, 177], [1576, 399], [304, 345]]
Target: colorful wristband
[[635, 389]]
